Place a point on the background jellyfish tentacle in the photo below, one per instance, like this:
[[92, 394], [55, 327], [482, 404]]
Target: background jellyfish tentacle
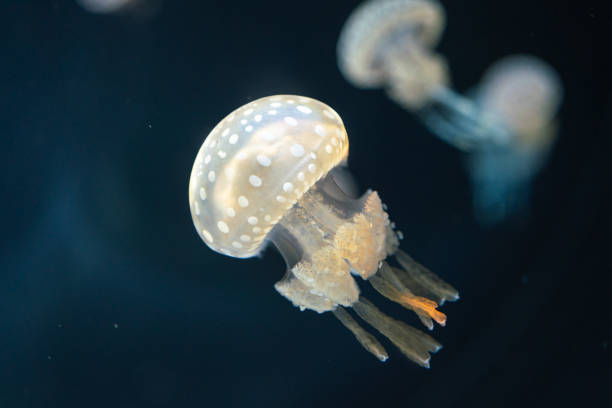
[[507, 124], [273, 171]]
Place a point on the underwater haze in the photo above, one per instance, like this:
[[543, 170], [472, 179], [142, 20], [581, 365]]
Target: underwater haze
[[109, 298]]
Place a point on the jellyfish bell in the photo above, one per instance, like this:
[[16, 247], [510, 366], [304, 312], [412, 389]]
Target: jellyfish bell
[[260, 159], [272, 171], [103, 6], [138, 8], [525, 94], [389, 43]]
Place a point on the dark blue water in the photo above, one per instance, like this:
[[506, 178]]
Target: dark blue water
[[108, 298]]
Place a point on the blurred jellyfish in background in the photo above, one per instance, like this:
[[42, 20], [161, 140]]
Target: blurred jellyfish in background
[[524, 94], [267, 172], [144, 8], [506, 125]]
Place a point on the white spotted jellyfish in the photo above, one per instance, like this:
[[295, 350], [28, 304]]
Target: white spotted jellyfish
[[273, 171], [507, 124]]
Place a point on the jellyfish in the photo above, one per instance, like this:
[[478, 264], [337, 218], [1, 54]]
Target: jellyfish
[[524, 94], [507, 124], [135, 7], [274, 170]]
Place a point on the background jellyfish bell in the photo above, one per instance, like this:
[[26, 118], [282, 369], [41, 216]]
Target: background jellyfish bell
[[525, 93], [104, 6], [135, 8], [389, 44]]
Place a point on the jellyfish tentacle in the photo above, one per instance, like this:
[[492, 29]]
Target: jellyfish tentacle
[[423, 307], [412, 342], [367, 340], [462, 122], [395, 277], [425, 278]]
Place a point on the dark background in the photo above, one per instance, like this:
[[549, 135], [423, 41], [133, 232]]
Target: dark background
[[108, 298]]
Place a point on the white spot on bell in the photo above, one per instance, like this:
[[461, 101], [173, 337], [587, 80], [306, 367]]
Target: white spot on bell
[[312, 167], [211, 176], [236, 244], [263, 160], [288, 187], [243, 201], [297, 150], [233, 139], [320, 130], [252, 220], [290, 121], [202, 194], [207, 236], [223, 227], [245, 238], [254, 180], [230, 212], [304, 109]]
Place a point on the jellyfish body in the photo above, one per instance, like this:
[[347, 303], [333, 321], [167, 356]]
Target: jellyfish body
[[104, 6], [390, 44], [141, 8], [507, 126], [272, 171], [523, 94]]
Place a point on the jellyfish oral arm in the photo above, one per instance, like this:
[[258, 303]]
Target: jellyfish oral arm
[[368, 341], [461, 122], [413, 75], [326, 237], [332, 234]]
